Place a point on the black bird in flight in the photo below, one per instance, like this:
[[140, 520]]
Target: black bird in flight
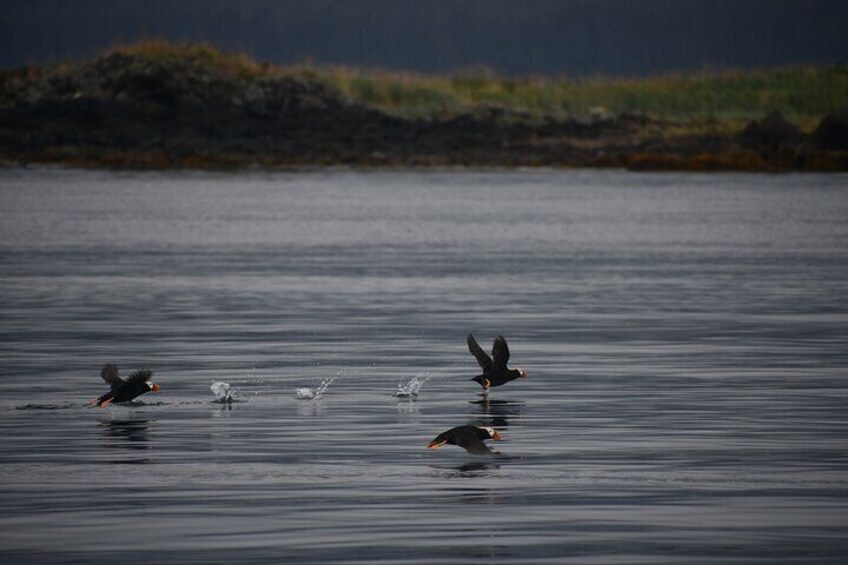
[[470, 438], [124, 390], [495, 371]]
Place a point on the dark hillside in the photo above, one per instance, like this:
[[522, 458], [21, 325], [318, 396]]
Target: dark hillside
[[158, 105]]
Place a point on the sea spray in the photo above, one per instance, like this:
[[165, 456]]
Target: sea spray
[[314, 393], [410, 388], [222, 392]]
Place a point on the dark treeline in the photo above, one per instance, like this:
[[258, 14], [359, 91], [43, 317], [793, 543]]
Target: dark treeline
[[554, 37]]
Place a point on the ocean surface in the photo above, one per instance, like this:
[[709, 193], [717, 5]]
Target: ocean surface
[[686, 339]]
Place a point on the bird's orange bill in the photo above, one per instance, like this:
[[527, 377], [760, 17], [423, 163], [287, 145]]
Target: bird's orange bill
[[155, 388], [496, 436], [436, 444]]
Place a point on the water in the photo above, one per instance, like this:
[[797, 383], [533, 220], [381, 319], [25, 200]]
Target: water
[[685, 338]]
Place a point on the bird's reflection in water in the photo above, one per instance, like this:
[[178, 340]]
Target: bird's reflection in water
[[476, 468], [470, 491], [313, 407], [131, 434], [467, 470], [223, 408], [496, 412]]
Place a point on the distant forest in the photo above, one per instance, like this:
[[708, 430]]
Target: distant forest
[[513, 37]]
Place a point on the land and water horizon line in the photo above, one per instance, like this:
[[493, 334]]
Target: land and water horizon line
[[160, 105]]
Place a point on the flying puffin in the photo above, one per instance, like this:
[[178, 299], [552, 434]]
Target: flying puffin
[[124, 390], [495, 372], [470, 438]]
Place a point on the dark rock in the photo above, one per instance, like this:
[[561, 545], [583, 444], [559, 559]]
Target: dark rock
[[832, 133], [771, 133]]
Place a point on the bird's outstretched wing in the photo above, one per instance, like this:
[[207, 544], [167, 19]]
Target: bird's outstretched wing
[[483, 358], [476, 446], [109, 373], [140, 376], [500, 352]]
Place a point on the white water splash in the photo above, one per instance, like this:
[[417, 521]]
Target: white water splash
[[314, 393], [411, 388], [222, 392]]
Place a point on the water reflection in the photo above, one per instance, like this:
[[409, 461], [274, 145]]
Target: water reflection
[[408, 411], [311, 408], [476, 468], [130, 434], [467, 470], [223, 407], [496, 412]]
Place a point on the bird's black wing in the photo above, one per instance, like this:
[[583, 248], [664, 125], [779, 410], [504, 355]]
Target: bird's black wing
[[109, 373], [478, 448], [467, 437], [500, 352], [140, 376], [483, 358]]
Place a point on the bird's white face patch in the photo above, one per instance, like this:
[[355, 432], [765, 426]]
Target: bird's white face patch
[[149, 385], [490, 431]]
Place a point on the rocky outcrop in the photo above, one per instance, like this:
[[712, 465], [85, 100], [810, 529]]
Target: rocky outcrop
[[771, 133], [832, 133]]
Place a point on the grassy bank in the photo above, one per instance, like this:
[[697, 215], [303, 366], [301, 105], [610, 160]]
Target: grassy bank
[[731, 98]]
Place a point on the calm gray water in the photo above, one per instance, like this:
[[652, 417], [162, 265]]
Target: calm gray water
[[685, 337]]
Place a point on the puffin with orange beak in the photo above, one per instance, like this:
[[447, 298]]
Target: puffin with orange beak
[[495, 371], [470, 438], [137, 384]]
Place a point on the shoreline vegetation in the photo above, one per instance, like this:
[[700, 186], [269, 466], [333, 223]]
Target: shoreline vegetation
[[159, 105]]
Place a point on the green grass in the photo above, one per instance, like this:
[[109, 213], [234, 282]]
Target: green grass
[[804, 95]]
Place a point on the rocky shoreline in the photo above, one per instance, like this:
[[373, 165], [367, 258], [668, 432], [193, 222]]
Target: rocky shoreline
[[125, 110]]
